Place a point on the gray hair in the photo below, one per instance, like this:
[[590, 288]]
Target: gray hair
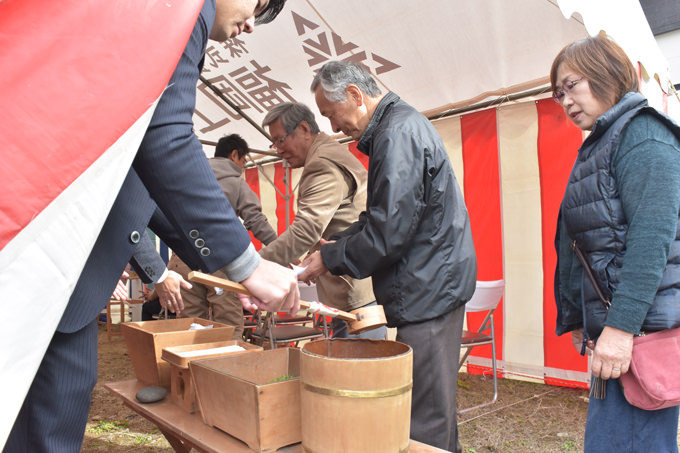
[[291, 114], [334, 77]]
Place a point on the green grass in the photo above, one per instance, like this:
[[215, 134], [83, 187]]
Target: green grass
[[105, 426]]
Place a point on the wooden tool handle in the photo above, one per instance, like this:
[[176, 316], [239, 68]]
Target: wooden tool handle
[[211, 280]]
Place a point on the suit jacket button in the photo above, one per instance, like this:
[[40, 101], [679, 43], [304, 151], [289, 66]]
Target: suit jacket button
[[199, 243], [205, 251], [135, 237], [193, 234]]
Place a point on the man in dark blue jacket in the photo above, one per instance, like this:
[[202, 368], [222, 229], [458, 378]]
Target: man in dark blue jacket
[[193, 217], [413, 239]]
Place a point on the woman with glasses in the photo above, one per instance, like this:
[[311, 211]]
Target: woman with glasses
[[620, 209]]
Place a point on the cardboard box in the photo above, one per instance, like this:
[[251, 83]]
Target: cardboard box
[[182, 389], [244, 396], [145, 342]]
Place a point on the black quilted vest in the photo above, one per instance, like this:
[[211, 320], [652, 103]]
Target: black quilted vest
[[594, 218]]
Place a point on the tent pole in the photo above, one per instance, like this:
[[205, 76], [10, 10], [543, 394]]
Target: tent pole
[[286, 181], [494, 102], [250, 150]]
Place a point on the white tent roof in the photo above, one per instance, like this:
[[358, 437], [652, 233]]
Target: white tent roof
[[436, 55]]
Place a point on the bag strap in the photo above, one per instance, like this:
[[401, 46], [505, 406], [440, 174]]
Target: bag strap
[[586, 268], [598, 388]]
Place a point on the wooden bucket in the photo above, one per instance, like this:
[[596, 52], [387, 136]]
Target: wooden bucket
[[355, 395]]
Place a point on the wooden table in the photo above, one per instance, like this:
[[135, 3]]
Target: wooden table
[[185, 431]]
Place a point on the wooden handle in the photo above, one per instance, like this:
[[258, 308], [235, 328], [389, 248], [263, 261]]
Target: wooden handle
[[211, 280]]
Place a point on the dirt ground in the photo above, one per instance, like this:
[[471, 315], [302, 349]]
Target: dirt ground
[[528, 417]]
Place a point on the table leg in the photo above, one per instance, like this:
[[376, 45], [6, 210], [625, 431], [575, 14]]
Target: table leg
[[175, 442]]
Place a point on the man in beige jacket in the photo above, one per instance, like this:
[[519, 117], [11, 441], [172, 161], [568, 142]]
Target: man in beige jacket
[[331, 195], [228, 163]]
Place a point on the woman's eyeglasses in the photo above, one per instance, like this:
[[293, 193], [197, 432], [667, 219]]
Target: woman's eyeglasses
[[567, 86]]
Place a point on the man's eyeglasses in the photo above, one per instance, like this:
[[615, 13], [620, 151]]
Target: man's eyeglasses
[[278, 143], [569, 85]]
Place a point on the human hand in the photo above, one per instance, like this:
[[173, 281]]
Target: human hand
[[273, 288], [612, 353], [147, 294], [314, 267], [169, 291], [577, 340], [121, 292]]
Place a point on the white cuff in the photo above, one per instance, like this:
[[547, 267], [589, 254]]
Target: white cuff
[[163, 276]]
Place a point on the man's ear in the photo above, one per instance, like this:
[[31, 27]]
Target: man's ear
[[233, 155], [305, 127], [355, 95]]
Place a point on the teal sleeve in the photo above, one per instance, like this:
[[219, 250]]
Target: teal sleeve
[[646, 167]]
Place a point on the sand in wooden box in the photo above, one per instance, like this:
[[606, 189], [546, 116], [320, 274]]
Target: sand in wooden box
[[355, 395], [244, 396], [182, 389], [145, 342]]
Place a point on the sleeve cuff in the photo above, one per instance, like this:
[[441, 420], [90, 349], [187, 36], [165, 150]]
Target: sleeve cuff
[[241, 268], [627, 314], [163, 276]]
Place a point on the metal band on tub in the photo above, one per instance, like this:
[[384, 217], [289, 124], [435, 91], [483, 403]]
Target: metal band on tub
[[359, 393], [403, 450]]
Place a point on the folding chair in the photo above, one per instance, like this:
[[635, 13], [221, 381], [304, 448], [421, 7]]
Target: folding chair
[[251, 321], [486, 298]]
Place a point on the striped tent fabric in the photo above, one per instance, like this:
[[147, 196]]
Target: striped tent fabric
[[512, 163], [78, 87]]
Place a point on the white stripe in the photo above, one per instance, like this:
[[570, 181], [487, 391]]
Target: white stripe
[[567, 375], [521, 208], [40, 267], [449, 131]]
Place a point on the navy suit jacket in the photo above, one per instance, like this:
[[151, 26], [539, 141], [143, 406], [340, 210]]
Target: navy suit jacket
[[146, 260], [170, 176]]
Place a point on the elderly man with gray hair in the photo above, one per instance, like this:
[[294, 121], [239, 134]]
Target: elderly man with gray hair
[[414, 238], [331, 195]]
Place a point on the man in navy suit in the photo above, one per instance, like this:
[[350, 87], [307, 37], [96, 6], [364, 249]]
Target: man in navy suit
[[171, 187]]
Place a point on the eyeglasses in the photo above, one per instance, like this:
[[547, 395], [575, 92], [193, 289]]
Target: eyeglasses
[[569, 85], [274, 146]]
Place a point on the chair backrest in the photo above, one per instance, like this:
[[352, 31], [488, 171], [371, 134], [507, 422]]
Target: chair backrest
[[487, 295]]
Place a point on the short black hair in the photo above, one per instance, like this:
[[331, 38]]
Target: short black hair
[[269, 14], [228, 143]]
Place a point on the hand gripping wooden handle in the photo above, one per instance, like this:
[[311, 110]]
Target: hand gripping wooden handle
[[315, 307]]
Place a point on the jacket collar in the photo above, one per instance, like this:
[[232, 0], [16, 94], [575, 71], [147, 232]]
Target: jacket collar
[[628, 102], [384, 105], [225, 166], [320, 139]]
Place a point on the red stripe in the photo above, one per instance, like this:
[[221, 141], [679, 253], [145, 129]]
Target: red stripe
[[253, 180], [482, 197], [558, 142], [75, 76], [363, 158], [280, 184]]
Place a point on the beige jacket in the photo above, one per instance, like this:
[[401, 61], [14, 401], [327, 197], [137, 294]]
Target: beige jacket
[[331, 195], [242, 198]]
